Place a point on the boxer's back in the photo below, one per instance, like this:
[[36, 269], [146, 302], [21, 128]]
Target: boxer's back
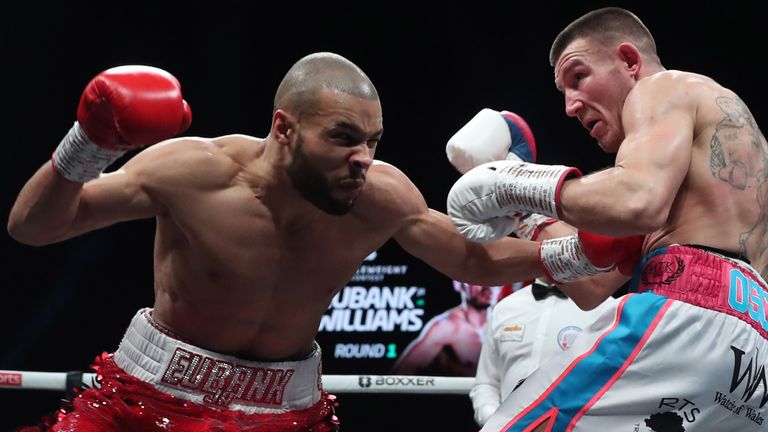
[[722, 202]]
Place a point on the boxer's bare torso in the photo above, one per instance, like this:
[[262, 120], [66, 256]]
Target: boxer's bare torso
[[255, 236], [691, 163], [244, 265]]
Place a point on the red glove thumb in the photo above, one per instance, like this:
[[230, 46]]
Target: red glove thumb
[[605, 251]]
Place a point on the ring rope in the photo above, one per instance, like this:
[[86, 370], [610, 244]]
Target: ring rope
[[65, 381]]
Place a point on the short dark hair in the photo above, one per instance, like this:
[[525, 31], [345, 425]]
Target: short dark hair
[[300, 88], [610, 25]]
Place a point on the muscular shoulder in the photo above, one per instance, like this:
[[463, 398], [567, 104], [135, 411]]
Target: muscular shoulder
[[193, 160], [674, 89], [384, 176], [390, 193], [672, 94], [705, 98]]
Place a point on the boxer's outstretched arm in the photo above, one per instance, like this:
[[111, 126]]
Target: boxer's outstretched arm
[[50, 209], [121, 109], [431, 237]]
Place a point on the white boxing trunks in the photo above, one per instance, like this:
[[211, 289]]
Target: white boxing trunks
[[685, 351], [194, 374]]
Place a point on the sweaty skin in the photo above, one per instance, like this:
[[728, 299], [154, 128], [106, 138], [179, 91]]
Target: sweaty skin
[[244, 264], [690, 168], [690, 165]]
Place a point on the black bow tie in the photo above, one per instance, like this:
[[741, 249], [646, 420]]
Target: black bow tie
[[541, 291]]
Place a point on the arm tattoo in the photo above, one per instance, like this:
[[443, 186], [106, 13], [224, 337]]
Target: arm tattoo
[[739, 157]]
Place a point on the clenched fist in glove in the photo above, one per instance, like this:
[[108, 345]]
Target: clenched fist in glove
[[587, 254], [490, 136], [500, 189], [121, 109]]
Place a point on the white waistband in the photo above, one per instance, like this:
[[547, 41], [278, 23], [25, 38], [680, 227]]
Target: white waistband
[[214, 379]]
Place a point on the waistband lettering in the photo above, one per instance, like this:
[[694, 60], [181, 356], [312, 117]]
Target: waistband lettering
[[745, 295], [222, 381]]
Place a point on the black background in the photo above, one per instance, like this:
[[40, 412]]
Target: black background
[[434, 66]]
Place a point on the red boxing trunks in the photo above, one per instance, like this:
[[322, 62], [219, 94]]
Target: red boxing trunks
[[155, 382]]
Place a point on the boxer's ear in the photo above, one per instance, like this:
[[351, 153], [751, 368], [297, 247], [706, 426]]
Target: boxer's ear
[[631, 57], [283, 126]]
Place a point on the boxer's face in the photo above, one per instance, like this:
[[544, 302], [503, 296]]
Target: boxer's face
[[480, 296], [595, 86], [333, 150]]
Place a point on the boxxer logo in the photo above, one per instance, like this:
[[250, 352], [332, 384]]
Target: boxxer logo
[[364, 381], [751, 375]]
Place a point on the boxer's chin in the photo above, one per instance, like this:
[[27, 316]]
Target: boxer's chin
[[314, 186]]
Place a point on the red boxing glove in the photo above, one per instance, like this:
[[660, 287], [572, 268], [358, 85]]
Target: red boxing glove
[[121, 109], [587, 254], [134, 106], [605, 251]]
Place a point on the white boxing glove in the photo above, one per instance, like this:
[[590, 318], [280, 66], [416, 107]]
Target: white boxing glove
[[472, 206], [482, 201], [531, 224], [491, 136]]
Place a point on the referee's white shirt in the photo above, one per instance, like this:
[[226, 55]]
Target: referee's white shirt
[[521, 334]]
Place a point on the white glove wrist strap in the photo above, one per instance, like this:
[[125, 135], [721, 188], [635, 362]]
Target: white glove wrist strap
[[564, 260], [79, 159], [531, 224], [532, 188]]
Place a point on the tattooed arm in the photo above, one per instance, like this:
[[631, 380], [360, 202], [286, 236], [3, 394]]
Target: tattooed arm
[[733, 162], [739, 157]]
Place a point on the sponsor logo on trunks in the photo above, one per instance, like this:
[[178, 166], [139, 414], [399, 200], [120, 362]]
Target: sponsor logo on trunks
[[661, 422], [673, 414], [223, 382], [747, 297], [10, 379], [663, 271], [748, 381], [739, 409], [365, 381]]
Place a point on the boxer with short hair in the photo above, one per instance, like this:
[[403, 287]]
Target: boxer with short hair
[[254, 237], [686, 350]]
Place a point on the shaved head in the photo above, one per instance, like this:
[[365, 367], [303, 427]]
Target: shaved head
[[299, 91], [610, 26]]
